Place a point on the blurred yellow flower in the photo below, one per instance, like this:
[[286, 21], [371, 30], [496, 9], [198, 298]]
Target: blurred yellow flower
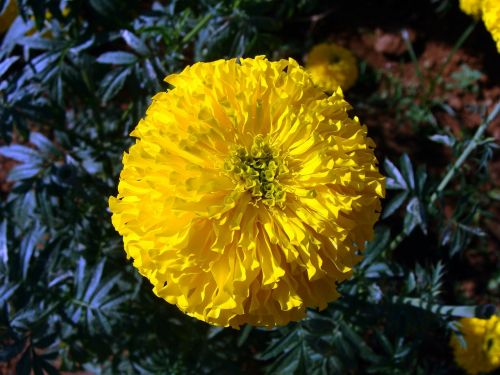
[[332, 66], [491, 18], [482, 353], [471, 7], [249, 193], [490, 12], [8, 15]]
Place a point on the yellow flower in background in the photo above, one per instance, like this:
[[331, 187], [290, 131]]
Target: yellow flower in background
[[249, 193], [491, 18], [490, 12], [7, 15], [332, 66], [471, 7], [482, 353]]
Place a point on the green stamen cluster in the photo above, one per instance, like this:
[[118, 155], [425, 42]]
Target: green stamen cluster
[[258, 171]]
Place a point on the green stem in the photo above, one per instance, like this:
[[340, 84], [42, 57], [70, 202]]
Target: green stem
[[197, 28], [455, 48], [80, 303], [480, 311], [458, 163], [465, 154], [413, 56], [397, 241]]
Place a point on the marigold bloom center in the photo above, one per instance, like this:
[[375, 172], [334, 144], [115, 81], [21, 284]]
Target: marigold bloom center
[[257, 170], [334, 58]]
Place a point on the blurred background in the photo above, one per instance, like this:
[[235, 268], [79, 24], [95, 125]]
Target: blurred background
[[77, 76]]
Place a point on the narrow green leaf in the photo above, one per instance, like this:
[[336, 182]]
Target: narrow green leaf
[[414, 216], [24, 171], [385, 343], [36, 42], [394, 204], [115, 301], [27, 248], [445, 139], [7, 63], [407, 171], [244, 335], [3, 5], [214, 331], [85, 45], [282, 344], [319, 326], [377, 270], [288, 363], [411, 282], [398, 182], [476, 231], [421, 179], [20, 153], [377, 246], [17, 30], [45, 205], [104, 322], [112, 85], [117, 58], [356, 340], [103, 291], [80, 277], [43, 144], [134, 42], [6, 291], [94, 281]]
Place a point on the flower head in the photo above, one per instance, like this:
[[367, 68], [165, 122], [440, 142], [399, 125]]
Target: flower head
[[491, 18], [332, 66], [471, 7], [482, 353], [249, 193]]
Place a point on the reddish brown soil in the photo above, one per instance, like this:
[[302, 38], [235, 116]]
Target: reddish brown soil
[[5, 166]]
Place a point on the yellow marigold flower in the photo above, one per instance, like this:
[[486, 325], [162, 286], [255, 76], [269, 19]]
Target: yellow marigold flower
[[332, 66], [249, 193], [471, 7], [8, 15], [491, 18], [482, 353]]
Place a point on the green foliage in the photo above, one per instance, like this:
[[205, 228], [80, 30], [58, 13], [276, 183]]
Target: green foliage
[[465, 79], [73, 86]]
